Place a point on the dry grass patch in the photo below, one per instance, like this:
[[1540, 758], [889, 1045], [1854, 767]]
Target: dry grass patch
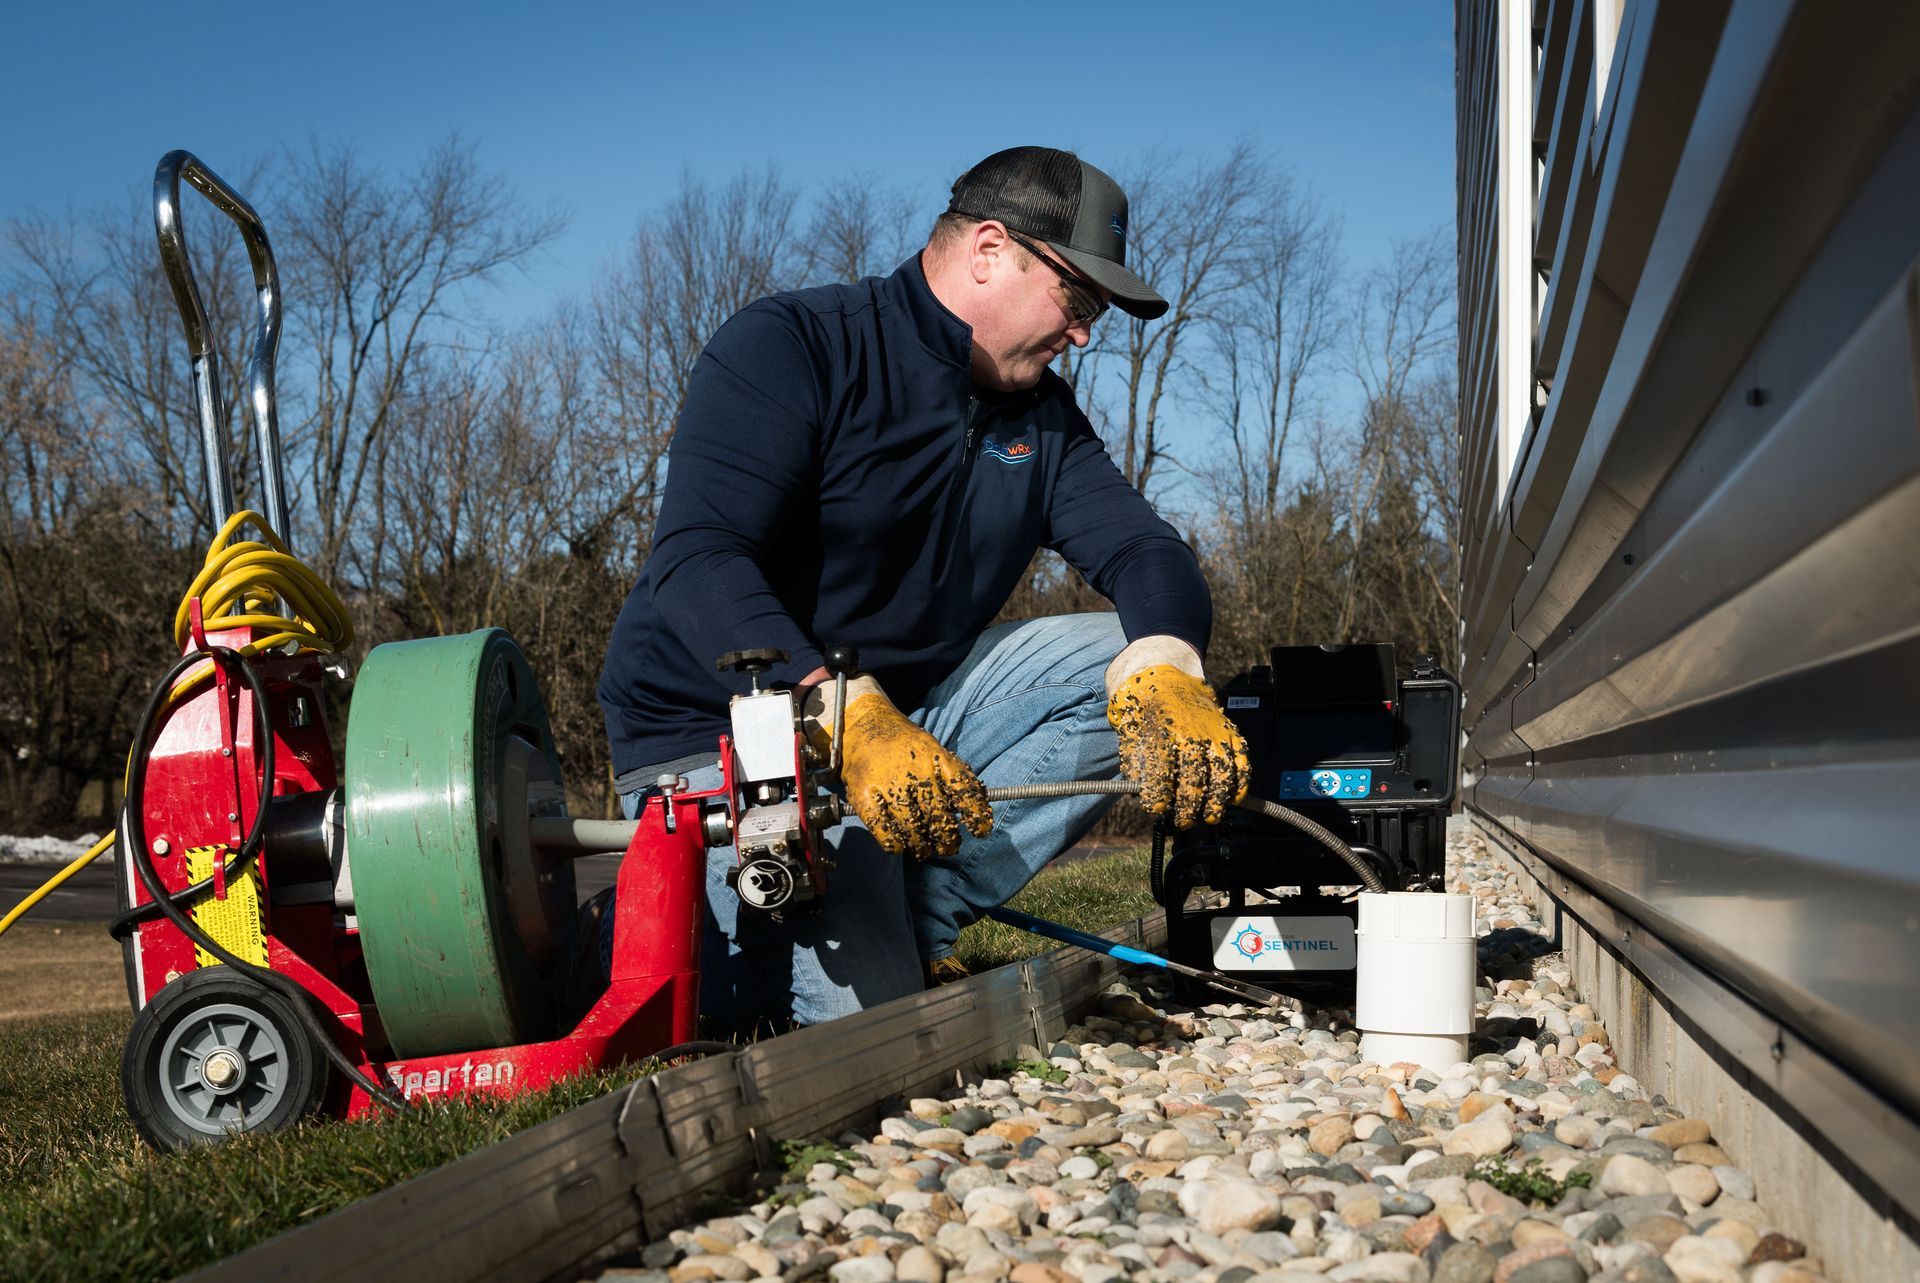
[[52, 969]]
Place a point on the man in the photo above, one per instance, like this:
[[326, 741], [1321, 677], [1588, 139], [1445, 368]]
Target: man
[[874, 465]]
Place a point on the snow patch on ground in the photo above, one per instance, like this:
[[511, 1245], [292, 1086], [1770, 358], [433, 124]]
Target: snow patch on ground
[[43, 850]]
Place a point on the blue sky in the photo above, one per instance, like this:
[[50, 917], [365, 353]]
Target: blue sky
[[601, 108]]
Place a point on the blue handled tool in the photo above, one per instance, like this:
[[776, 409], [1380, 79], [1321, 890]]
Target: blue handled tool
[[1127, 953]]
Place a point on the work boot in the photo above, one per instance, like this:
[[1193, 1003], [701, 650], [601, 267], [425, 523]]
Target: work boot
[[944, 971]]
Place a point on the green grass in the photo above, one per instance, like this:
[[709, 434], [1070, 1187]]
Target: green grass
[[1090, 895], [60, 1098], [1528, 1182], [85, 1198]]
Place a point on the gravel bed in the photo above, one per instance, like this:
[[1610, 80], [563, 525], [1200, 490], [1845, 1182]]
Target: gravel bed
[[1229, 1145]]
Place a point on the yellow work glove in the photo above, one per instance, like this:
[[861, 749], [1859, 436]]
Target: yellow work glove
[[1175, 741], [905, 787]]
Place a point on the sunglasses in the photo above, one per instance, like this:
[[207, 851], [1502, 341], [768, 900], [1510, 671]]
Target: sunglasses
[[1083, 305]]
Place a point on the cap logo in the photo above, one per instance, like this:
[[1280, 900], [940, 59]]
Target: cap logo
[[1118, 227]]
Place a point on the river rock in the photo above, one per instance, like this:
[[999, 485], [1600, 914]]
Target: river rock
[[1168, 1145], [862, 1269], [1706, 1153], [1329, 1135], [1485, 1136], [1694, 1182], [1554, 1269], [1657, 1232], [1465, 1263], [1630, 1177], [1640, 1147], [1220, 1206], [920, 1264], [1682, 1131], [1521, 1257], [1397, 1202], [1383, 1267]]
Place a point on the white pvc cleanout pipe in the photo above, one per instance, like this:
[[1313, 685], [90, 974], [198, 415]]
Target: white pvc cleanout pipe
[[1414, 979]]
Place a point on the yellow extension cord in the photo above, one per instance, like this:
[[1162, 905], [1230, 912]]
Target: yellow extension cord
[[238, 586]]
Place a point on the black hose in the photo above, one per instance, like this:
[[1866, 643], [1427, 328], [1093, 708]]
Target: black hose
[[1319, 833], [121, 925], [133, 824], [1258, 805]]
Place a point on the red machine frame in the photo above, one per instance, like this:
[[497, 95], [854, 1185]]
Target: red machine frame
[[202, 788]]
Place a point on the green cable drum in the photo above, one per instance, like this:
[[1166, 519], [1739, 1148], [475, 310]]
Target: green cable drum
[[461, 919]]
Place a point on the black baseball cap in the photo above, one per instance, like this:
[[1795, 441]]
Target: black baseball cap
[[1054, 196]]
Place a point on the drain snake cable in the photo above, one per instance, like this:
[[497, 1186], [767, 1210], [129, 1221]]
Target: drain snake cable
[[1258, 805]]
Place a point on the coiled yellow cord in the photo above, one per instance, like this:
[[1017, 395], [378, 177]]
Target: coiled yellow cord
[[238, 586]]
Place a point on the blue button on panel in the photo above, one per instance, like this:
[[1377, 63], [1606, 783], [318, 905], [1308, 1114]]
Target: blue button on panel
[[1330, 781]]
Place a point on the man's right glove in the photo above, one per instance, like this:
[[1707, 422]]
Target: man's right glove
[[905, 787], [1184, 752]]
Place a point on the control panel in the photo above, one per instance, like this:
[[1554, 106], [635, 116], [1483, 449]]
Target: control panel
[[1346, 782]]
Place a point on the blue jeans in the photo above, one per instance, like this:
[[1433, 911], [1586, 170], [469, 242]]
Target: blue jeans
[[1026, 706]]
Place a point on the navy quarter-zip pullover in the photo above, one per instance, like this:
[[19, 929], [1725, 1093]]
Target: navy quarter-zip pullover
[[837, 477]]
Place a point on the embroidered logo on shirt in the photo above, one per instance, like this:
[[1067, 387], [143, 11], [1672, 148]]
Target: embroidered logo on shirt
[[1018, 452]]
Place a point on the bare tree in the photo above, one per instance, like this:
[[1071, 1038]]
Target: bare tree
[[1272, 354], [1194, 233], [112, 317], [1403, 321], [82, 582], [377, 264], [704, 257], [858, 227], [1273, 342], [1425, 468], [513, 499]]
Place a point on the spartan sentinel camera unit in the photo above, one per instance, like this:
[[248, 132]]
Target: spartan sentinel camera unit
[[1331, 734]]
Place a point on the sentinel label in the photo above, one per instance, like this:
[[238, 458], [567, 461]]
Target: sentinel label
[[1263, 943]]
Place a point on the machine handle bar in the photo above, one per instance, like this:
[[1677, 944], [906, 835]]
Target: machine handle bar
[[170, 230]]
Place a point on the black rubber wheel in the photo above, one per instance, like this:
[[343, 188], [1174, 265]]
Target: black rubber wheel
[[213, 1054]]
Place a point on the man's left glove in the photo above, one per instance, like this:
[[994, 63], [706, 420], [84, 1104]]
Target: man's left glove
[[1175, 741], [905, 787]]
